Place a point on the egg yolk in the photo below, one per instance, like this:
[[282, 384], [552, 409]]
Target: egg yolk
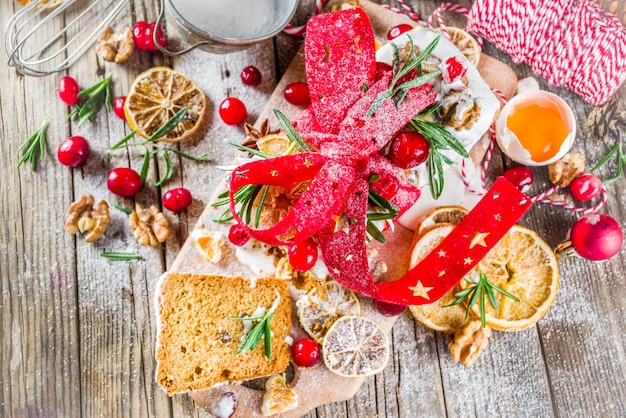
[[540, 128]]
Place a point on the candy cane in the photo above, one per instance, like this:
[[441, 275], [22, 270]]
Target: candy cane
[[449, 7], [299, 30]]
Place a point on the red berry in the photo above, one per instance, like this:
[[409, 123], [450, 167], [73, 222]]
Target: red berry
[[68, 90], [409, 149], [139, 35], [585, 187], [177, 200], [297, 94], [73, 151], [233, 111], [149, 37], [118, 107], [596, 237], [302, 256], [124, 181], [238, 235], [398, 30], [454, 69], [521, 177], [389, 309], [306, 352], [251, 76]]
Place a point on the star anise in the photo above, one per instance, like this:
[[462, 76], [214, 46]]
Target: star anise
[[253, 134]]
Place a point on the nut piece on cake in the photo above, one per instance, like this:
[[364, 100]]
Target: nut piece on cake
[[84, 217], [197, 343]]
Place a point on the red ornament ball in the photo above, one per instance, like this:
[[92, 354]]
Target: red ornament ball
[[233, 111], [520, 176], [596, 237], [585, 187], [305, 352], [177, 200], [124, 181], [73, 151]]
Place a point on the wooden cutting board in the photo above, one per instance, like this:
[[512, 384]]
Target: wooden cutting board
[[317, 386]]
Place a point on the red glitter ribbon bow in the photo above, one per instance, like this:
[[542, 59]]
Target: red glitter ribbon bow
[[340, 60]]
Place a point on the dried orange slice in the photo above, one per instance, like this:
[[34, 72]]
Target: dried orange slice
[[449, 214], [274, 144], [355, 347], [318, 310], [436, 315], [156, 95], [464, 42], [525, 266]]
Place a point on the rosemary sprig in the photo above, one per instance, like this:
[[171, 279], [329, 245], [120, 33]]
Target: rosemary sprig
[[621, 160], [440, 140], [97, 95], [152, 149], [34, 148], [118, 256], [476, 293], [122, 209], [401, 69], [261, 330], [384, 210]]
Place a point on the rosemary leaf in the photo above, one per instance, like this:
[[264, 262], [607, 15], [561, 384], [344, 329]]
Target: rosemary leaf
[[268, 338], [121, 142], [251, 150], [145, 166], [381, 216], [416, 82], [167, 127], [122, 208], [396, 57], [375, 232], [291, 132], [34, 148], [259, 209], [606, 158], [201, 158], [435, 171], [377, 200], [378, 102], [169, 170], [117, 256], [252, 339]]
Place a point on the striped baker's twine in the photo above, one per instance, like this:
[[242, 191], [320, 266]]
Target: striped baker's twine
[[448, 7]]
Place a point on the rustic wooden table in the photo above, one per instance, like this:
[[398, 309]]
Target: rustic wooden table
[[78, 331]]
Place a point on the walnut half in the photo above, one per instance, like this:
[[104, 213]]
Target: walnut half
[[150, 226], [84, 217], [115, 46], [565, 170], [469, 342]]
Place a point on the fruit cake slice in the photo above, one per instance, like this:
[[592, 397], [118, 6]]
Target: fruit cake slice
[[200, 330]]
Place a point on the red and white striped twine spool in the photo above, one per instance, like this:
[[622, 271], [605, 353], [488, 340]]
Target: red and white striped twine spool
[[571, 43]]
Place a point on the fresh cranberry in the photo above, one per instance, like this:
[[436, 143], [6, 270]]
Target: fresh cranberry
[[521, 177], [389, 309], [398, 30], [139, 35], [297, 93], [585, 187], [149, 37], [386, 186], [233, 111], [251, 76], [68, 90], [454, 69], [305, 352], [177, 200], [238, 235], [124, 181], [118, 107], [409, 149], [303, 256], [73, 151]]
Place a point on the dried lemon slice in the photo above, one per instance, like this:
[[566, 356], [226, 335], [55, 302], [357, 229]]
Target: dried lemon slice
[[355, 347], [278, 398], [464, 42], [449, 214], [318, 310], [525, 266], [436, 315], [156, 95]]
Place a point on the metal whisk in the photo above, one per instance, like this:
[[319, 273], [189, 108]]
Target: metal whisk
[[47, 36]]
